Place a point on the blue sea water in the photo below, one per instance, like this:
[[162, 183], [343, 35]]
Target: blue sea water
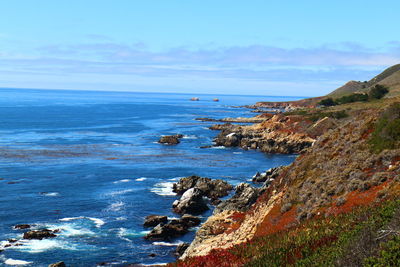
[[88, 163]]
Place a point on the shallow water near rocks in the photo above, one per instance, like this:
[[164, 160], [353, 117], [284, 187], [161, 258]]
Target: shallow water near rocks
[[88, 163]]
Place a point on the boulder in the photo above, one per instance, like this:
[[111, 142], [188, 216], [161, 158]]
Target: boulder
[[191, 202], [58, 264], [166, 232], [190, 220], [184, 184], [170, 139], [40, 234], [244, 197], [153, 220], [212, 189], [22, 226]]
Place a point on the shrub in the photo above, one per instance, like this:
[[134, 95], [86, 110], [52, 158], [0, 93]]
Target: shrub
[[327, 102], [388, 256], [356, 97], [378, 91], [386, 134]]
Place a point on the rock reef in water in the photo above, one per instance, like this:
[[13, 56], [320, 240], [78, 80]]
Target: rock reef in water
[[170, 139]]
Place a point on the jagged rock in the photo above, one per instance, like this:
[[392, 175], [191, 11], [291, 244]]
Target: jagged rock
[[184, 184], [180, 249], [58, 264], [268, 175], [191, 202], [170, 139], [40, 234], [244, 197], [167, 231], [212, 189], [190, 220], [22, 226], [153, 220]]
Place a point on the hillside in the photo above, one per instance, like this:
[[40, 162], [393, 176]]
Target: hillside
[[335, 205]]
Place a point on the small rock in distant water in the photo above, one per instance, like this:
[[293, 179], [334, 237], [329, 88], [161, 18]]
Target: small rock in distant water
[[22, 226], [170, 139], [58, 264], [194, 99], [215, 99], [152, 255], [40, 234], [154, 220], [191, 202], [180, 249]]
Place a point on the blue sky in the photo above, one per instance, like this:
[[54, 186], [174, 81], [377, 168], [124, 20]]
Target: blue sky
[[304, 48]]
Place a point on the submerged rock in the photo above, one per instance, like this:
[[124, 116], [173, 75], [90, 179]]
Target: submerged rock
[[22, 226], [170, 139], [58, 264], [191, 202], [153, 220], [244, 197], [40, 234]]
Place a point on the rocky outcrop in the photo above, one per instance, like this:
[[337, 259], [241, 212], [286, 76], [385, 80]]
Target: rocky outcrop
[[180, 249], [212, 189], [279, 134], [244, 197], [191, 202], [153, 220], [268, 176], [166, 232], [173, 229], [170, 139], [40, 234]]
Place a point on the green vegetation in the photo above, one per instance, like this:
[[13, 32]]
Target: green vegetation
[[386, 134], [388, 256], [376, 92], [315, 116], [324, 242]]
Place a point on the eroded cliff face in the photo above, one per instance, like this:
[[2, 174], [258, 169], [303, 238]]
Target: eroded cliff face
[[336, 173]]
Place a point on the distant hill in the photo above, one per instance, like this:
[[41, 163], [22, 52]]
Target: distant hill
[[389, 77]]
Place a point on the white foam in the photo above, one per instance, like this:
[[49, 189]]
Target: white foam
[[140, 179], [175, 178], [120, 192], [237, 153], [218, 147], [97, 222], [38, 246], [68, 230], [124, 233], [51, 194], [122, 181], [121, 219], [116, 206], [167, 244], [17, 262], [163, 189], [189, 137]]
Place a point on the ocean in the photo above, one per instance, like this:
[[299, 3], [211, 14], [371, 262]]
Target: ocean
[[88, 163]]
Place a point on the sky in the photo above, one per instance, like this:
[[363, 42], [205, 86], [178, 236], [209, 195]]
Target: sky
[[293, 48]]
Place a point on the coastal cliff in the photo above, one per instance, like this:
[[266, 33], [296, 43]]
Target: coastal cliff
[[336, 204]]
